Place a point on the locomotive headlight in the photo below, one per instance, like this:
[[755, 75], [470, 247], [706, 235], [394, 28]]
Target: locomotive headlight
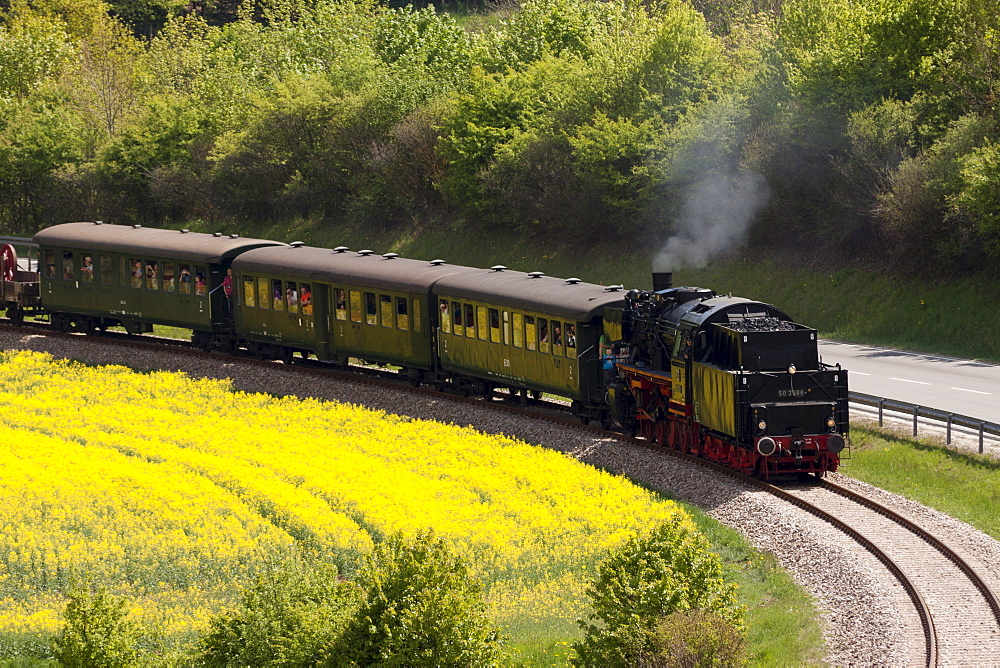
[[761, 426], [791, 368], [831, 423]]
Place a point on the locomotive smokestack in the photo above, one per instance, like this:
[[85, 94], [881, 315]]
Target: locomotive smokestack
[[662, 280]]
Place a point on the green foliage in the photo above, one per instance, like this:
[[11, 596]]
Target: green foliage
[[32, 49], [97, 632], [420, 609], [695, 638], [638, 587], [287, 618]]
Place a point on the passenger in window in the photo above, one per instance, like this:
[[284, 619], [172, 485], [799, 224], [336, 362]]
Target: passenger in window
[[151, 274], [292, 297], [341, 303], [570, 336], [199, 284], [87, 270], [136, 273], [50, 270], [307, 299], [556, 334], [185, 279], [227, 293], [68, 266]]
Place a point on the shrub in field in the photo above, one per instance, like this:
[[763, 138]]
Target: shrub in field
[[421, 609], [98, 632], [285, 619], [669, 570], [693, 638]]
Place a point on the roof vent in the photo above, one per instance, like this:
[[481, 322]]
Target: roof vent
[[135, 227], [437, 263], [613, 288], [498, 268], [391, 256], [98, 222], [573, 281], [341, 249], [234, 236], [185, 231], [297, 244], [366, 252], [216, 234], [535, 274]]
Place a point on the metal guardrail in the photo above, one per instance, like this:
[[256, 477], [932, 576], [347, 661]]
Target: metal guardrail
[[983, 427]]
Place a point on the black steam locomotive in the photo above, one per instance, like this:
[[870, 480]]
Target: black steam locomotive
[[726, 378]]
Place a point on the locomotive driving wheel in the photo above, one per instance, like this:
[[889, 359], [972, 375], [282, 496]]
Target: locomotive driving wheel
[[8, 262]]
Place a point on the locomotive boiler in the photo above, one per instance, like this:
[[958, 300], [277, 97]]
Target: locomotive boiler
[[725, 378]]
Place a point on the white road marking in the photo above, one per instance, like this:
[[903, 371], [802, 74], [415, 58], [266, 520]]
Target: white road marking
[[962, 389], [904, 380]]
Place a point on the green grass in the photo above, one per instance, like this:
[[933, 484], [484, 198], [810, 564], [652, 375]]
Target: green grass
[[961, 484]]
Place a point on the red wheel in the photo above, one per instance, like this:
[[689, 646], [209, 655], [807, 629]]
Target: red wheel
[[8, 262]]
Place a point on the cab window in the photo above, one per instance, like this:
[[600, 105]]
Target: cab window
[[135, 272], [87, 268], [306, 298], [169, 278], [263, 292], [385, 310], [570, 340], [518, 330], [249, 291], [494, 325], [341, 305], [402, 313], [470, 321], [371, 309], [356, 306], [529, 332], [543, 335], [292, 296], [445, 317]]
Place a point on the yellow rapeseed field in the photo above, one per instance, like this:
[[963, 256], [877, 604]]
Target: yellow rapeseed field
[[175, 492]]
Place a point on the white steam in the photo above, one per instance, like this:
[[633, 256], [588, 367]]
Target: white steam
[[714, 218]]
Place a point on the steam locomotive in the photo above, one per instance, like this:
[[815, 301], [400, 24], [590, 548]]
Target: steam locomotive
[[729, 379]]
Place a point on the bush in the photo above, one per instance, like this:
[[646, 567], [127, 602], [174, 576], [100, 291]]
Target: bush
[[420, 609], [97, 633], [646, 581], [695, 638], [287, 618]]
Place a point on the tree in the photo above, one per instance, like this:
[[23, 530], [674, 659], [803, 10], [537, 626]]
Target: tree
[[97, 633], [670, 570]]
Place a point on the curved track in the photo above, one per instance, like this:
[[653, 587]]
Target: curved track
[[956, 615]]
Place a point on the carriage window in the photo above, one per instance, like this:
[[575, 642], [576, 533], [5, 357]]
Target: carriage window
[[277, 295], [445, 317], [341, 306], [135, 272], [402, 316], [87, 269], [249, 291], [69, 270], [494, 325], [371, 309], [543, 335], [107, 270], [570, 340], [292, 296], [385, 310], [557, 338], [456, 310], [263, 292], [529, 332], [152, 275], [506, 328], [416, 315], [184, 271], [518, 330], [355, 306], [50, 264], [470, 321], [200, 281], [481, 322], [169, 278], [306, 298]]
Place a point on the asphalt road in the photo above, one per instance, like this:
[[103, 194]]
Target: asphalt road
[[963, 387]]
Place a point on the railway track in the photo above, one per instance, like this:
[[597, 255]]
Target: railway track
[[953, 615]]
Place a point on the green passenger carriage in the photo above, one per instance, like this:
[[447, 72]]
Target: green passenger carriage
[[95, 275], [526, 331]]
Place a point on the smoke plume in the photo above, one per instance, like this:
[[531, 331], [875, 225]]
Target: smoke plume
[[714, 218]]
